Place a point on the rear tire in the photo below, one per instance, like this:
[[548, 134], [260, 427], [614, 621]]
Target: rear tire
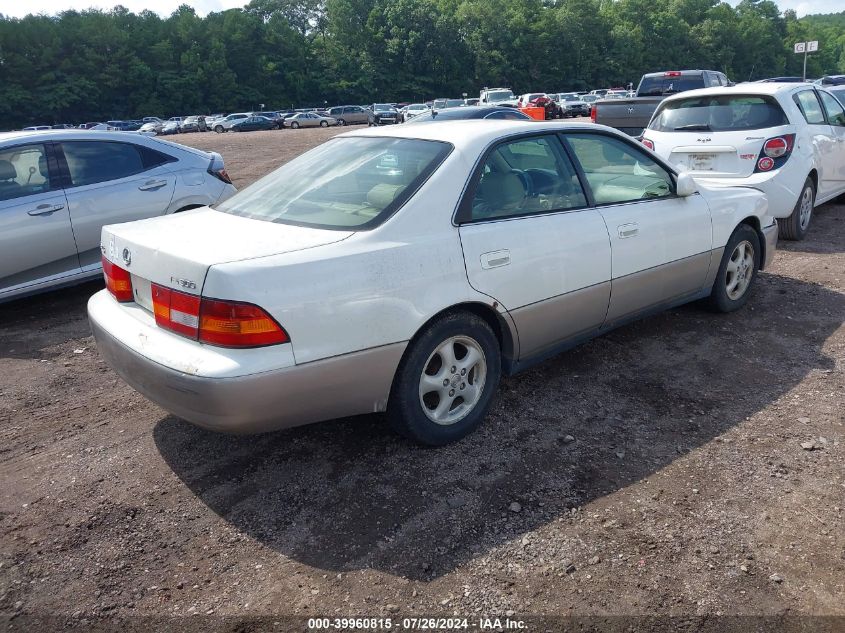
[[341, 122], [218, 129], [795, 227], [445, 383], [737, 270], [294, 126], [324, 124]]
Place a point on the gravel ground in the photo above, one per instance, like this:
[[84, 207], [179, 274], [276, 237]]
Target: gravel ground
[[687, 466]]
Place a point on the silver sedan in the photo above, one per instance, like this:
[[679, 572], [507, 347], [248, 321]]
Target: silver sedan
[[58, 189], [309, 119]]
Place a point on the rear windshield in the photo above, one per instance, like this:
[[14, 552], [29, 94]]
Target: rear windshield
[[660, 85], [719, 113], [347, 183]]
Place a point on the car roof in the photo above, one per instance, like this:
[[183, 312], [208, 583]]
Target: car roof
[[98, 135], [472, 135], [754, 88]]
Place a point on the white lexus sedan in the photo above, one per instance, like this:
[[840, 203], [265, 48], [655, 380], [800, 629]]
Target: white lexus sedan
[[785, 139], [406, 269]]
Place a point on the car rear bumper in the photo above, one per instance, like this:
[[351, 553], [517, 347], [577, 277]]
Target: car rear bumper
[[351, 384], [780, 191]]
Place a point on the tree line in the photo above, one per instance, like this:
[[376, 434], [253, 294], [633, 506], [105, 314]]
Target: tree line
[[93, 65]]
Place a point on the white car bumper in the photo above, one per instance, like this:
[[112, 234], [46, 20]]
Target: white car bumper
[[237, 390], [781, 189]]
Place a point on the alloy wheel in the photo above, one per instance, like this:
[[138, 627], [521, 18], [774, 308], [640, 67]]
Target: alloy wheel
[[452, 380]]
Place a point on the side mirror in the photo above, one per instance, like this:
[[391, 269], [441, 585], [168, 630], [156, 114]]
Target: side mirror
[[685, 185]]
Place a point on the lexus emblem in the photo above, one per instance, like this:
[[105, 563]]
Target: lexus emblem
[[127, 256]]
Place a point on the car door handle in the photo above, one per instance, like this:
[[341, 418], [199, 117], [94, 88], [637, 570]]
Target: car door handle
[[46, 209], [152, 184], [494, 259], [628, 230]]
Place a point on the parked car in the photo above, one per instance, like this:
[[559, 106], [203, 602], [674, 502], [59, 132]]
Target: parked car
[[350, 114], [151, 128], [526, 99], [152, 119], [35, 128], [838, 92], [309, 119], [58, 188], [471, 112], [225, 124], [194, 123], [831, 80], [94, 125], [472, 102], [253, 123], [384, 114], [496, 256], [171, 127], [571, 106], [274, 117], [632, 115], [785, 139], [413, 110], [496, 96], [62, 126]]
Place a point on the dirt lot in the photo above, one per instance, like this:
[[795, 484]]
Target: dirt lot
[[658, 470]]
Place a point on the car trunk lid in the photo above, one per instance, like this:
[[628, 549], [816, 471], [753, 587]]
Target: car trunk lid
[[176, 251]]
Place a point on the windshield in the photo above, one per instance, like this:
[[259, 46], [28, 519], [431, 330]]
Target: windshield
[[346, 183], [662, 85], [719, 113], [499, 95], [839, 93], [381, 107]]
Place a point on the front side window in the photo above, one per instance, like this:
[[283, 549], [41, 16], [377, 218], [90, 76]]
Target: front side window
[[618, 172], [345, 184], [835, 113], [23, 171], [91, 162], [526, 176], [719, 113], [810, 107]]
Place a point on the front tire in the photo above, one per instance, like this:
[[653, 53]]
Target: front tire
[[445, 383], [795, 227], [324, 124], [341, 122], [219, 129], [294, 126], [737, 271]]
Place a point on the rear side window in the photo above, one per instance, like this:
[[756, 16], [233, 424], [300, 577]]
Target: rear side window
[[23, 171], [719, 113], [91, 162], [524, 177], [810, 107], [618, 172], [835, 113]]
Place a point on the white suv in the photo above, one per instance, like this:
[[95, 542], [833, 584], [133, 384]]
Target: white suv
[[787, 140]]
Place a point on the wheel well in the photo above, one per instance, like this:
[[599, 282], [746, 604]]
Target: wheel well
[[489, 315], [188, 207], [814, 176], [754, 223]]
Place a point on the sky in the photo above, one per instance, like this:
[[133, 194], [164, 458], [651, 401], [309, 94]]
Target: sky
[[165, 7]]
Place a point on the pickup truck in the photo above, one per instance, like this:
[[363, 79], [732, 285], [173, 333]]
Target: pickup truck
[[632, 115]]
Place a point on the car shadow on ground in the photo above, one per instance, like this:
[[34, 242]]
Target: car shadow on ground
[[825, 233], [30, 326], [348, 494]]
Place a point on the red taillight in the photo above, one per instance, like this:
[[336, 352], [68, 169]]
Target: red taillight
[[233, 324], [775, 152], [118, 281], [221, 174], [672, 73], [647, 143], [176, 311], [213, 321], [776, 147], [765, 164], [593, 114]]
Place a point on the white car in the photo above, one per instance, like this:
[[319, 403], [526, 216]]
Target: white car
[[58, 189], [785, 139], [413, 110], [225, 124], [526, 99], [405, 269]]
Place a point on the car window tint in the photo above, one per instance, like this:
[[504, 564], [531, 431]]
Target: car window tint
[[718, 113], [90, 162], [618, 172], [810, 107], [23, 171], [526, 176], [835, 113]]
